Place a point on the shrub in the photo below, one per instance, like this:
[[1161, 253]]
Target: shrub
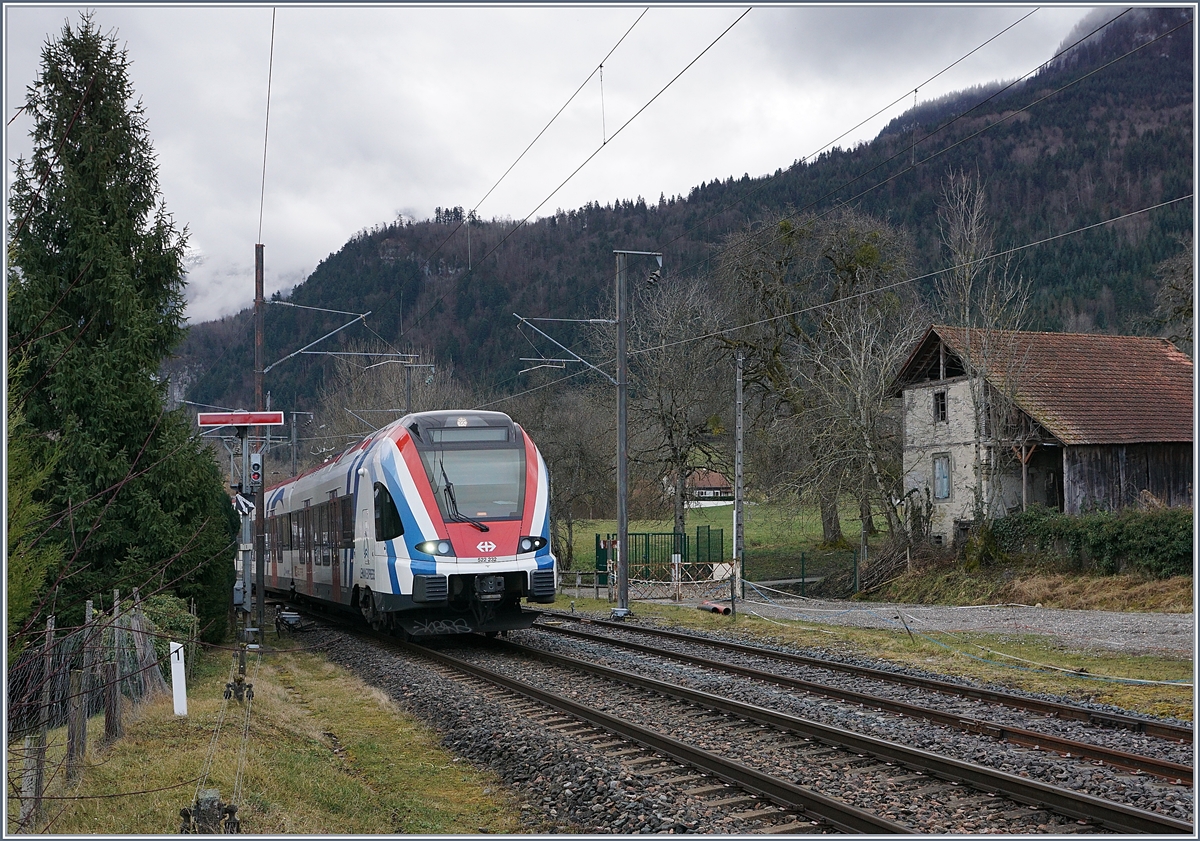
[[1154, 542]]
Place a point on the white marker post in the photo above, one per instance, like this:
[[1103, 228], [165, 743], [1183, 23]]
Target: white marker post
[[178, 686]]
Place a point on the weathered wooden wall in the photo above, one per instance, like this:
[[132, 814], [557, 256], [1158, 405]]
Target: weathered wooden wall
[[1112, 476]]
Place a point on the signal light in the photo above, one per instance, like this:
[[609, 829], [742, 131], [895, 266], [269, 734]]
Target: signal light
[[256, 471]]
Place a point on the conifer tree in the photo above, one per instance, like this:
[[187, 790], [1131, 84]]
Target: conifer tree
[[96, 303]]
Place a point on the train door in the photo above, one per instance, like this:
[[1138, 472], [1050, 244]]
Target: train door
[[345, 539], [363, 543], [333, 537]]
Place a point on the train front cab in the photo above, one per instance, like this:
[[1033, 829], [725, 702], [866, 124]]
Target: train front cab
[[453, 527]]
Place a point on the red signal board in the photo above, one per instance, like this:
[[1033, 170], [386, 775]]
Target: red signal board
[[212, 419]]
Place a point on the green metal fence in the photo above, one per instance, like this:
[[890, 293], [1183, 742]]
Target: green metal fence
[[664, 564]]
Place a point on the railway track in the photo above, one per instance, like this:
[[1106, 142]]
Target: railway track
[[747, 768], [967, 718], [873, 773], [1157, 729]]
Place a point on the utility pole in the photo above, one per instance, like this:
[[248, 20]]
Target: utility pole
[[622, 443], [739, 521], [622, 296], [622, 384], [260, 542]]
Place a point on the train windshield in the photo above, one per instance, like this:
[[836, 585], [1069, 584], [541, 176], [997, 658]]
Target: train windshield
[[480, 484]]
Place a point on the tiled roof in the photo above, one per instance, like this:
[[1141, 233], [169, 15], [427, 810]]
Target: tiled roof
[[1081, 388], [707, 479], [1087, 388]]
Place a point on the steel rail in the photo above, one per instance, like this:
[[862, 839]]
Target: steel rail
[[1173, 771], [1114, 816], [1157, 729], [841, 816]]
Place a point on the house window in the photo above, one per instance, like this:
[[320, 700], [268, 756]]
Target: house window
[[941, 476], [939, 407]]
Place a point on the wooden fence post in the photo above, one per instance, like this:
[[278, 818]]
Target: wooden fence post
[[34, 778], [191, 649], [89, 657], [118, 645], [152, 681], [29, 795], [113, 729], [76, 732]]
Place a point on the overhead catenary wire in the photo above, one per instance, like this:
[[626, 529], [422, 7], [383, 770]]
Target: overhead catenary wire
[[728, 330], [599, 68], [525, 220], [946, 125], [902, 152], [266, 126], [593, 155], [502, 177], [860, 124]]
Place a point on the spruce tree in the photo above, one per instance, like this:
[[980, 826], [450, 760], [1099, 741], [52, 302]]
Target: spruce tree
[[96, 304]]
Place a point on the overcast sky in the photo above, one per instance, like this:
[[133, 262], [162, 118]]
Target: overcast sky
[[380, 111]]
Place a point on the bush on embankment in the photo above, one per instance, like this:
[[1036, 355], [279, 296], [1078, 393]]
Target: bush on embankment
[[1154, 542]]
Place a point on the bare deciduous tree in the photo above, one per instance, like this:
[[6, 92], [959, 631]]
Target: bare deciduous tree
[[364, 393], [989, 299], [1173, 303], [679, 392], [830, 315], [575, 431]]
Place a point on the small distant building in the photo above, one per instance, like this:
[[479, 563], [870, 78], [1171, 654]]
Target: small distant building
[[1072, 421], [702, 486], [706, 485]]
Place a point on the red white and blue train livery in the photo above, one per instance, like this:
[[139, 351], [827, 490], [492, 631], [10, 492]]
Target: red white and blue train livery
[[438, 523]]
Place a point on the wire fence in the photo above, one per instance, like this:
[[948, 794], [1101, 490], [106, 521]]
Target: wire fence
[[114, 660]]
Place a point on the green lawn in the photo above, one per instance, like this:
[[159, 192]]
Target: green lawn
[[776, 535]]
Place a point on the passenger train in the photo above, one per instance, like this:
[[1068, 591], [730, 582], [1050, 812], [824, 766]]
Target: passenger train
[[438, 523]]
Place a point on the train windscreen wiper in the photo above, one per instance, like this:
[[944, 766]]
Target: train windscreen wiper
[[452, 506]]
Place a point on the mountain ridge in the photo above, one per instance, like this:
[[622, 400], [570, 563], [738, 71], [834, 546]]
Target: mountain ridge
[[1074, 145]]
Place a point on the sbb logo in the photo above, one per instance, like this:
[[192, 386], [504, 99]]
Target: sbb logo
[[486, 546]]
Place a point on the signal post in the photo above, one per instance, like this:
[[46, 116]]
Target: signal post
[[252, 478]]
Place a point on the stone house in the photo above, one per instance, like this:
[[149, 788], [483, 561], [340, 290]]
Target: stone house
[[1075, 422]]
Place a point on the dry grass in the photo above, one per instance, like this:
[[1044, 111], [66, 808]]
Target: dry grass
[[1114, 592], [326, 754]]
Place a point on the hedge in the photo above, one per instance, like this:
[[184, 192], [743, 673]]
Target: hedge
[[1156, 542]]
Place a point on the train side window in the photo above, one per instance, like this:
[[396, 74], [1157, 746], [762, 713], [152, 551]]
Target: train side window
[[387, 518], [294, 530], [305, 535]]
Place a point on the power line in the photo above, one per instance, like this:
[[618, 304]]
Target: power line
[[590, 157], [863, 122], [522, 223], [958, 117], [266, 125], [536, 138], [897, 284], [931, 134]]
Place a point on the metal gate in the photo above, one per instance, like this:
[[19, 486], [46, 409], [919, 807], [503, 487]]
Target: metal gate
[[667, 565]]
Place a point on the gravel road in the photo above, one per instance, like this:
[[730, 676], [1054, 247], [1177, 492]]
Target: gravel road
[[1171, 634]]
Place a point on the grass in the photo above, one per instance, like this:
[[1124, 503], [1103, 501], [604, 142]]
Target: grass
[[326, 754], [774, 534]]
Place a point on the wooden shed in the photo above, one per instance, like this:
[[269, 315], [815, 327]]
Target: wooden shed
[[1075, 421]]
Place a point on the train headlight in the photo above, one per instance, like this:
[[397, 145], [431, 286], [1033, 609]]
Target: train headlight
[[530, 544], [436, 547]]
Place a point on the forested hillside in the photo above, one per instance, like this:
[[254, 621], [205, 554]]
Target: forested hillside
[[1104, 131]]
